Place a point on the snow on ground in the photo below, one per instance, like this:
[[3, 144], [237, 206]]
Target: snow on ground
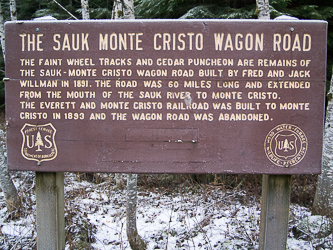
[[195, 217]]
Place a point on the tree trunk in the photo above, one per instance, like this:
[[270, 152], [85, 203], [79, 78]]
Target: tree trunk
[[13, 201], [85, 9], [117, 13], [323, 200], [131, 230], [120, 183], [128, 9], [2, 33], [13, 13], [124, 9], [263, 9]]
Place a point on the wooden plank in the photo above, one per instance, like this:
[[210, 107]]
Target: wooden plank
[[274, 212], [50, 211]]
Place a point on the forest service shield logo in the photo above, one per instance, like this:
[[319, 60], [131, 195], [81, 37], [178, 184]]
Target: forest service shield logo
[[286, 145], [39, 142]]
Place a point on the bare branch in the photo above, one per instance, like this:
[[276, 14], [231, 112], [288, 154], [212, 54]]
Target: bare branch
[[65, 9]]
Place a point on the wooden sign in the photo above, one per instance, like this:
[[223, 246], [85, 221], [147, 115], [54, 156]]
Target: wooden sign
[[166, 96]]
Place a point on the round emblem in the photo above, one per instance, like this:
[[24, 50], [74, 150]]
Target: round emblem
[[286, 145]]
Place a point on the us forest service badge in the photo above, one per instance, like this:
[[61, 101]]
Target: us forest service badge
[[39, 142], [286, 145]]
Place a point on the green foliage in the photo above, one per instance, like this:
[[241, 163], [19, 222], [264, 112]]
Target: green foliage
[[5, 10], [98, 13], [161, 8], [193, 9], [29, 9], [202, 11], [219, 12], [53, 9], [311, 12], [280, 4]]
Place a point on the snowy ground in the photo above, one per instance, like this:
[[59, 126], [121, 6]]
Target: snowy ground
[[186, 217]]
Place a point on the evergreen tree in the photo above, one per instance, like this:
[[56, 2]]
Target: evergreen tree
[[39, 141]]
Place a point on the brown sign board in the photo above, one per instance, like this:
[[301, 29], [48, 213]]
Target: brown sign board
[[166, 96]]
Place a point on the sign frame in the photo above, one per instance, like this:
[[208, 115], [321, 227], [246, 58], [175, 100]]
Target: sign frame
[[241, 137]]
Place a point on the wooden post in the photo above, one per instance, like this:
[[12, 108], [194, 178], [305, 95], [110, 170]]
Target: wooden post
[[50, 211], [274, 215]]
